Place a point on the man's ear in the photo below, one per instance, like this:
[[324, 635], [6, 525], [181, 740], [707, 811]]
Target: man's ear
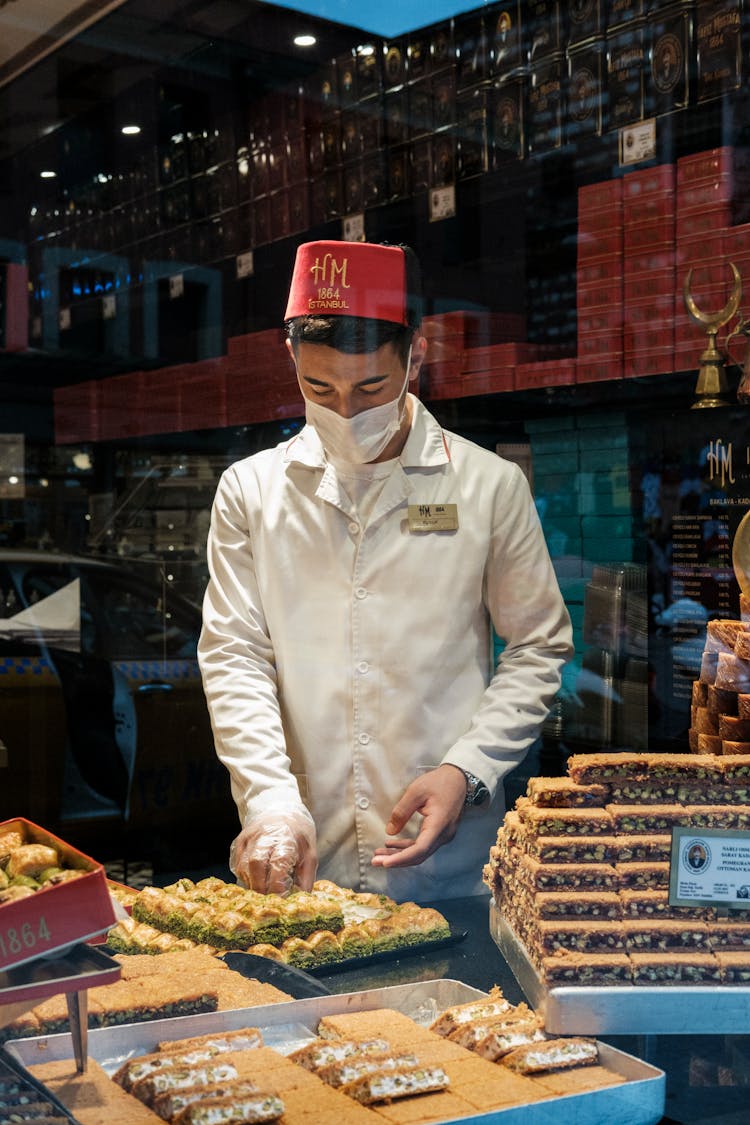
[[418, 354], [290, 348]]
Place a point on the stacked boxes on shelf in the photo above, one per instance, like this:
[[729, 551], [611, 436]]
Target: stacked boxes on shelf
[[471, 352], [261, 379], [649, 270], [712, 193], [599, 281]]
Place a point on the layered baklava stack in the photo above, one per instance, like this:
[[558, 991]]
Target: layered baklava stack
[[720, 706], [580, 870]]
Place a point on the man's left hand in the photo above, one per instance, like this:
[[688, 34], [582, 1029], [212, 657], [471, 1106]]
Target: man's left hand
[[438, 796]]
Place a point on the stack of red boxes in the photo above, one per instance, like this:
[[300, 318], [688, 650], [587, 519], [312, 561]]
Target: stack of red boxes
[[712, 189], [648, 204], [202, 394], [471, 352], [261, 379], [599, 281], [441, 372], [76, 410], [545, 373], [495, 367]]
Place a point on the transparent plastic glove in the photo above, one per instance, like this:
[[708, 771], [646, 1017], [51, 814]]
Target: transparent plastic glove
[[276, 851]]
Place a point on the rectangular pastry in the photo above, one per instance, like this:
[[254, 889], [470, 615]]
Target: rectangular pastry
[[686, 767], [250, 1109], [565, 876], [742, 748], [734, 965], [734, 769], [385, 1085], [356, 1066], [172, 1102], [683, 967], [563, 792], [646, 876], [743, 705], [244, 1039], [603, 769], [499, 1041], [722, 633], [585, 969], [585, 937], [323, 1052], [643, 849], [729, 935], [666, 934], [655, 904], [570, 849], [642, 819], [555, 1054], [495, 1004], [162, 1079], [468, 1033], [562, 822], [719, 700], [571, 905]]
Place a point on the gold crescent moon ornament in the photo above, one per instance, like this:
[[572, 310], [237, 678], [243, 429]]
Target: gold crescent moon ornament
[[741, 554], [712, 381], [723, 316]]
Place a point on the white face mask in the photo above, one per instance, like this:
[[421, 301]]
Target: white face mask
[[360, 439]]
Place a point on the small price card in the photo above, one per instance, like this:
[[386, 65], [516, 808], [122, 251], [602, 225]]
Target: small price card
[[442, 203], [710, 867], [353, 228], [245, 264]]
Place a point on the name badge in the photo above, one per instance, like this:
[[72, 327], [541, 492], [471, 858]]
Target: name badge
[[433, 517]]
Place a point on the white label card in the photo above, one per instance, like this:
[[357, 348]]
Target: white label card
[[638, 142], [710, 867], [442, 203], [176, 286], [353, 228], [245, 264]]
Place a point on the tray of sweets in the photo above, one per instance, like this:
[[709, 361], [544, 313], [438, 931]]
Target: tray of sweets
[[623, 1009], [637, 1100], [73, 906]]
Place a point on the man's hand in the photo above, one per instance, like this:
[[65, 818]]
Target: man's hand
[[275, 852], [438, 796]]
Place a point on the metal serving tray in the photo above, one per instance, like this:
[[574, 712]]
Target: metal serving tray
[[637, 1101], [624, 1009]]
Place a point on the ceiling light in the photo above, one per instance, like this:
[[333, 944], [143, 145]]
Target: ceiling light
[[48, 174], [305, 41], [131, 130]]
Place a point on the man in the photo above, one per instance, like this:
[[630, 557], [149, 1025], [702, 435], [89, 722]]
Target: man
[[356, 571]]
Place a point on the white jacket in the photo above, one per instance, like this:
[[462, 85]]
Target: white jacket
[[339, 662]]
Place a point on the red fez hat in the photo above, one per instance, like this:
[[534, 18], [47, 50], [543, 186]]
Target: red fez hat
[[349, 279]]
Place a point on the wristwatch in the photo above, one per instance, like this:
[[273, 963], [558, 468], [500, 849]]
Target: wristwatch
[[476, 791]]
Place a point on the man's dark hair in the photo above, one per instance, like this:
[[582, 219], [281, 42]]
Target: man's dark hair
[[356, 335]]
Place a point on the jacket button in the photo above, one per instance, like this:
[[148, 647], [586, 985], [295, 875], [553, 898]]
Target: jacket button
[[353, 528], [363, 802], [363, 667], [363, 738], [361, 592]]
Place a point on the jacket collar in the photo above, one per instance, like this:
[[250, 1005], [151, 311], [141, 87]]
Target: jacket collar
[[425, 445]]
